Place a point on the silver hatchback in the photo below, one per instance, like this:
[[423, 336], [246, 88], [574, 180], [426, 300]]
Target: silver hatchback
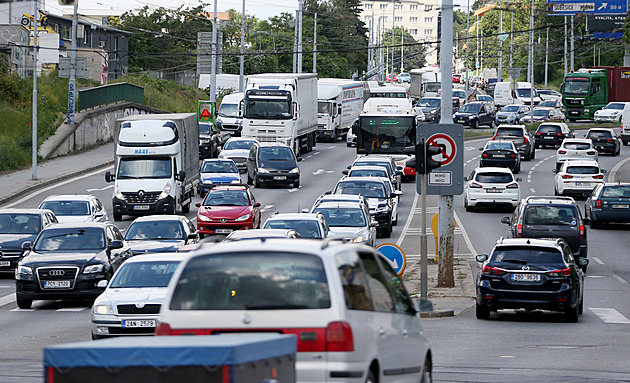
[[352, 317]]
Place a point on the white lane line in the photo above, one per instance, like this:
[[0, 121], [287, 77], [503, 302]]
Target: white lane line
[[22, 310], [612, 174], [100, 189], [598, 260], [309, 156], [473, 252], [533, 190], [5, 300], [266, 207], [293, 190], [401, 237], [620, 279], [56, 185], [610, 315], [317, 153], [72, 309]]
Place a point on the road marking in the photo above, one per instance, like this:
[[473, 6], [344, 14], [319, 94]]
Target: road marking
[[612, 174], [72, 309], [401, 237], [266, 207], [293, 190], [620, 279], [22, 310], [598, 260], [100, 189], [610, 315], [318, 172], [5, 300], [309, 156]]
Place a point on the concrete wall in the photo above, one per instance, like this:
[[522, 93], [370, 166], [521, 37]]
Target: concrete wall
[[92, 128]]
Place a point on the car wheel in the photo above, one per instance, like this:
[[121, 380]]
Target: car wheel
[[370, 377], [348, 145], [584, 269], [527, 157], [256, 182], [117, 216], [473, 125], [517, 169], [427, 375], [296, 184], [571, 315], [466, 206], [581, 306], [186, 208], [482, 312], [533, 154], [249, 179], [395, 221], [24, 303], [388, 232]]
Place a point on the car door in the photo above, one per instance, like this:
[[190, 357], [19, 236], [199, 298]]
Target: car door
[[255, 210], [116, 256], [252, 162]]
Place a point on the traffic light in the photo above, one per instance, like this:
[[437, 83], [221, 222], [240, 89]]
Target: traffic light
[[430, 163], [423, 161]]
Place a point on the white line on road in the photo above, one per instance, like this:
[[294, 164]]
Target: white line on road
[[598, 260], [5, 300], [266, 207], [318, 172], [309, 156], [620, 279], [612, 174], [100, 189], [401, 237], [72, 309], [610, 315], [293, 190]]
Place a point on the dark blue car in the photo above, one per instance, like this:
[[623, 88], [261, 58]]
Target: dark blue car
[[608, 203], [18, 226]]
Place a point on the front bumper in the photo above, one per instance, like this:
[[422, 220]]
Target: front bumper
[[161, 206], [218, 227], [606, 118], [278, 178], [84, 288], [104, 326], [205, 151]]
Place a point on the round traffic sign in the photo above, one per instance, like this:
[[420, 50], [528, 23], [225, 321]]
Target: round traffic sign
[[447, 146], [395, 256]]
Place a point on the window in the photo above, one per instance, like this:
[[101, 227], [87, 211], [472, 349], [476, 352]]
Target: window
[[368, 6], [413, 19], [428, 8], [413, 7], [403, 303], [428, 20], [384, 18], [86, 38], [413, 31], [398, 7], [383, 6], [398, 19], [428, 32], [354, 282], [367, 19], [379, 291]]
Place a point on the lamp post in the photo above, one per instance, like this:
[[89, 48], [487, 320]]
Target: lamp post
[[241, 77]]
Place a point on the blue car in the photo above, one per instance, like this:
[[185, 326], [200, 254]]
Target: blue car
[[511, 114], [217, 171]]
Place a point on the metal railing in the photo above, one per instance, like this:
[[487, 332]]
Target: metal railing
[[110, 94]]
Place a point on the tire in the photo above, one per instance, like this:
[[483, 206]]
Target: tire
[[256, 182], [117, 216], [517, 169], [24, 304], [370, 377], [186, 208], [466, 206], [474, 124], [249, 179], [388, 232], [482, 312], [527, 157], [594, 224], [427, 376], [348, 145], [581, 306], [571, 315], [395, 222], [533, 154], [296, 184]]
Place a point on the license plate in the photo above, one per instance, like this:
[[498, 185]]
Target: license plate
[[5, 263], [138, 323], [141, 207], [548, 138], [279, 178], [56, 284], [223, 231], [499, 156], [574, 113], [494, 190], [526, 277], [613, 206], [582, 183]]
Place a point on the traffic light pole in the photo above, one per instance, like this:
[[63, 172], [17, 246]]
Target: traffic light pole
[[423, 236]]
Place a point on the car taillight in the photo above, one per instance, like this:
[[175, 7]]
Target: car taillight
[[484, 155], [539, 133], [562, 152], [610, 140], [475, 185], [487, 270], [339, 337], [566, 176], [519, 229], [598, 204], [493, 137], [512, 155], [599, 176], [526, 140], [513, 185], [582, 230], [559, 134], [591, 152], [163, 329], [559, 273]]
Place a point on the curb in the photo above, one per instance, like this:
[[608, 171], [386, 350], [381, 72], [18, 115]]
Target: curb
[[438, 314]]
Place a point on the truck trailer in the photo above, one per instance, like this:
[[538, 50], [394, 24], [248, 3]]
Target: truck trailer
[[156, 164], [339, 102], [281, 107]]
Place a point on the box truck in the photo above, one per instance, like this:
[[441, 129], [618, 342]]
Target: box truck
[[281, 107], [339, 102], [156, 164]]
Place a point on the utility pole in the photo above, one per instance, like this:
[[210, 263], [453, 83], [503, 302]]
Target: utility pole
[[213, 76], [511, 37], [393, 21], [467, 45], [241, 77], [295, 42], [547, 57], [72, 82], [34, 127], [299, 52], [566, 67], [314, 44], [572, 46], [530, 67], [477, 46], [402, 46], [500, 61]]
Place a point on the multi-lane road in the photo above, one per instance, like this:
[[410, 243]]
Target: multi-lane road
[[510, 347]]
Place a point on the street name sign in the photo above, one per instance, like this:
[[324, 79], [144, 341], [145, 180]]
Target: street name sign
[[574, 7]]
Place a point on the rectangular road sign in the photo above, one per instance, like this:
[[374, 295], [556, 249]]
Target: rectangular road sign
[[448, 179], [573, 7]]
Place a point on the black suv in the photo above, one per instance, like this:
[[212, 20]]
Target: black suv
[[522, 138], [475, 114], [210, 140], [605, 140], [550, 217], [531, 274], [272, 163], [552, 134]]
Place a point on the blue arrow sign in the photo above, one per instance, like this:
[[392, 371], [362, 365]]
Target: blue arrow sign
[[600, 7], [394, 255]]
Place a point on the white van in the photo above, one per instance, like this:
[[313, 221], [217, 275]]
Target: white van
[[503, 95], [625, 124], [227, 114]]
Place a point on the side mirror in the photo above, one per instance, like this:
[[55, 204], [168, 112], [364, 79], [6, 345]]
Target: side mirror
[[586, 221], [108, 176], [102, 283], [582, 262], [299, 159], [27, 246], [519, 179], [192, 236], [506, 220], [480, 148], [349, 167], [399, 172], [181, 175], [554, 170], [604, 171], [198, 204], [373, 223], [304, 210], [116, 245], [481, 257], [99, 214], [465, 178], [345, 172], [256, 204], [250, 158], [398, 192]]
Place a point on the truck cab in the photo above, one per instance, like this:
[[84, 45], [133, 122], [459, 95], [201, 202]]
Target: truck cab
[[227, 116], [584, 92]]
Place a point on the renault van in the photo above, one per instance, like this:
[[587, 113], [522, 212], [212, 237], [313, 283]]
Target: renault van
[[503, 95]]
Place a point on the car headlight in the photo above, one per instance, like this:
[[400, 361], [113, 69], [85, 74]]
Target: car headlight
[[295, 170], [243, 217], [166, 191], [471, 117], [263, 170], [206, 182], [117, 193], [382, 208], [360, 238], [103, 309], [587, 110], [221, 155], [91, 269], [204, 218], [23, 271], [204, 141]]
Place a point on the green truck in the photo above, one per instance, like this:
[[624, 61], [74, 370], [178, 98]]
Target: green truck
[[589, 89]]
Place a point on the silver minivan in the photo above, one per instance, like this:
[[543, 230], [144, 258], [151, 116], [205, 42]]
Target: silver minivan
[[352, 317]]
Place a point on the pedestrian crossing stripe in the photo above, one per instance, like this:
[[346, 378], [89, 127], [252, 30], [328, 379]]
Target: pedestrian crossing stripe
[[610, 315]]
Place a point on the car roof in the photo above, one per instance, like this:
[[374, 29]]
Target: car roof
[[511, 126], [162, 217], [230, 187], [546, 200], [499, 142], [74, 225], [242, 139], [152, 257], [339, 204], [490, 169], [272, 144], [370, 167], [582, 163], [69, 197], [540, 242], [316, 247], [217, 160], [604, 129], [363, 179], [259, 233], [295, 216], [24, 211], [341, 197], [578, 140]]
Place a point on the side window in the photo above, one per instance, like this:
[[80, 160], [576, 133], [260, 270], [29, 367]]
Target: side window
[[116, 234], [377, 283], [109, 233], [191, 226], [402, 300], [99, 205], [354, 281]]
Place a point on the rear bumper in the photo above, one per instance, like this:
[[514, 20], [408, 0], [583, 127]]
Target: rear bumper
[[282, 179], [498, 299]]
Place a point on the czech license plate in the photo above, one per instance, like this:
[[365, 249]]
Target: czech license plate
[[56, 284], [526, 277], [614, 207], [5, 263], [140, 207], [223, 231], [499, 156], [578, 183], [494, 190], [280, 178], [138, 323], [548, 138]]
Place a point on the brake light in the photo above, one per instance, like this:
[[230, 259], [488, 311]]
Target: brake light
[[512, 155], [559, 273], [493, 137], [163, 329], [610, 140], [591, 152], [562, 152], [559, 134], [526, 140], [339, 337], [484, 155], [539, 133], [513, 185], [566, 176], [519, 229], [487, 270], [475, 185], [598, 204], [582, 230], [599, 176]]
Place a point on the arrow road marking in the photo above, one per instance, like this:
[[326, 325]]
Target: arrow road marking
[[318, 172], [5, 300], [602, 6]]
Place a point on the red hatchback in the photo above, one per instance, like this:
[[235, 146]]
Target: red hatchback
[[227, 208]]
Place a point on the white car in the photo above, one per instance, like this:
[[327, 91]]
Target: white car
[[351, 315], [612, 112], [490, 186], [548, 94], [578, 176], [237, 150], [575, 149], [75, 208], [131, 302]]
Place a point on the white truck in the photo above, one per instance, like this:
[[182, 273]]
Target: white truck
[[156, 164], [281, 107], [339, 103], [227, 115], [425, 82]]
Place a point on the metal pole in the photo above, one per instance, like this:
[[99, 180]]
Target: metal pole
[[467, 44], [511, 38], [423, 238], [315, 45], [547, 57], [572, 42], [215, 32], [393, 21], [530, 67], [500, 59], [241, 77], [295, 32], [34, 132], [566, 64], [477, 46], [72, 82], [299, 61], [402, 46]]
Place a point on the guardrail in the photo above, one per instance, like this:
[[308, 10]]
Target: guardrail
[[110, 94]]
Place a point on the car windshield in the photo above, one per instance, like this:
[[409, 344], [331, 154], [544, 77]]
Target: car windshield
[[67, 207], [582, 170], [89, 239], [155, 230], [276, 154], [550, 215], [614, 191], [499, 145], [525, 92], [238, 145], [549, 129], [324, 107], [366, 189], [510, 132], [219, 167], [429, 102], [144, 274], [367, 173], [470, 108], [599, 134], [306, 228], [494, 178], [19, 223], [577, 145], [386, 164], [228, 110], [459, 94], [524, 255], [510, 108], [615, 105], [252, 280], [547, 104], [343, 217], [226, 198], [204, 128], [541, 112], [484, 98]]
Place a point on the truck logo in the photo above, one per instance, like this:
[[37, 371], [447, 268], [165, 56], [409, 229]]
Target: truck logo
[[144, 151], [141, 194]]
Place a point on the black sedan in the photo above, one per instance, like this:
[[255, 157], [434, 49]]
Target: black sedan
[[530, 274], [609, 202], [68, 260], [160, 234], [502, 154]]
